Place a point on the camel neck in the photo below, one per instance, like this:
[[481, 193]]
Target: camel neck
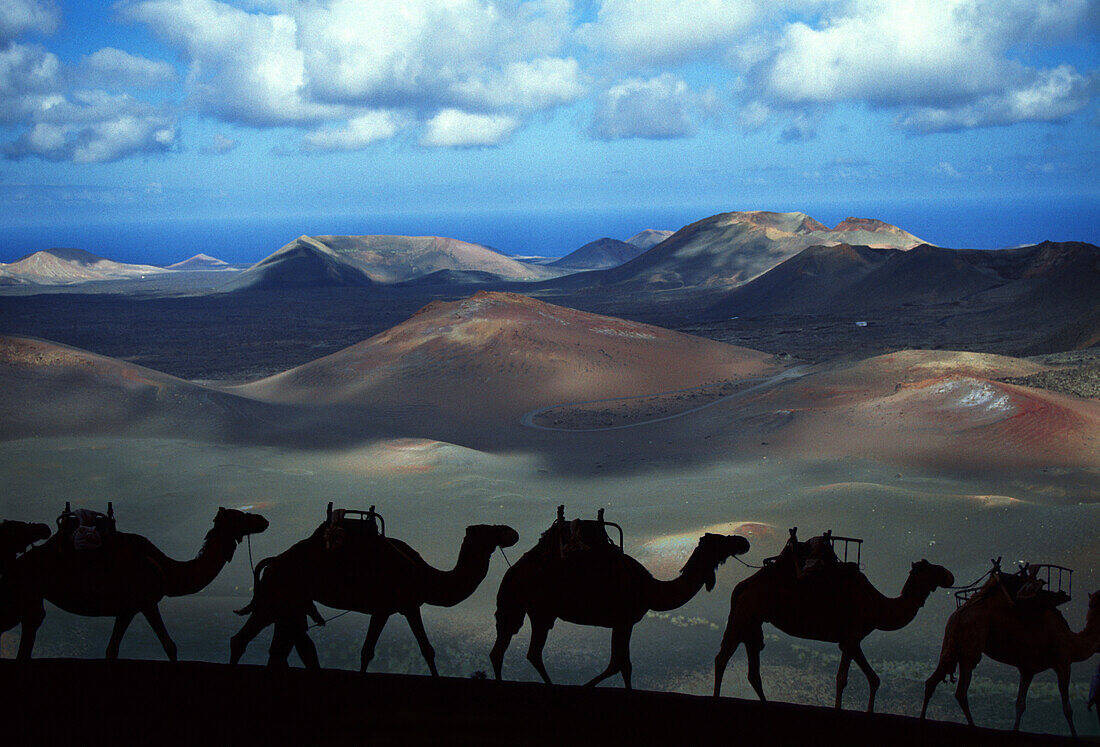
[[668, 595], [448, 588], [183, 577], [1085, 643], [897, 612]]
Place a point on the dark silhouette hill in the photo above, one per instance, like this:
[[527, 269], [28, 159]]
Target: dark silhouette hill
[[1022, 286], [358, 260], [303, 263], [143, 702], [599, 255]]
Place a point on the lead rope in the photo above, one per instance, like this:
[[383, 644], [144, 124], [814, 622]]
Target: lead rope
[[747, 565], [504, 556], [973, 583], [250, 563], [317, 625]]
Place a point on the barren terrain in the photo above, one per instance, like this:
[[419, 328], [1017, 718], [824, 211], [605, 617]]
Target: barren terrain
[[923, 453]]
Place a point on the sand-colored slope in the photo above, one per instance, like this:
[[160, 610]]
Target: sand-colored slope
[[494, 356], [52, 389], [67, 266], [735, 247]]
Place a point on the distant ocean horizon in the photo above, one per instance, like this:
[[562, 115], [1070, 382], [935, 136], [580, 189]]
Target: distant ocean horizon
[[987, 224]]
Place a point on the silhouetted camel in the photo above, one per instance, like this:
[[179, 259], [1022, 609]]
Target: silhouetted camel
[[16, 537], [1032, 639], [380, 577], [835, 603], [596, 586], [126, 576]]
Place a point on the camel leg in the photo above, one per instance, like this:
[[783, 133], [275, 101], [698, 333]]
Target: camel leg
[[508, 624], [754, 644], [377, 622], [282, 642], [1063, 689], [620, 657], [730, 642], [30, 620], [966, 668], [417, 625], [1021, 696], [251, 628], [307, 652], [842, 676], [873, 680], [930, 684], [122, 622], [540, 628], [152, 615]]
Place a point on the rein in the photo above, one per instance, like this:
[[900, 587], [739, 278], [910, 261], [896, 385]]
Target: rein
[[504, 556], [747, 565], [318, 625], [973, 583]]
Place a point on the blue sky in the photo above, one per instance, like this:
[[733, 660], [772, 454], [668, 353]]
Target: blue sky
[[969, 122]]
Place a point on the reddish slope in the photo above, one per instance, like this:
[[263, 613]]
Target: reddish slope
[[496, 355]]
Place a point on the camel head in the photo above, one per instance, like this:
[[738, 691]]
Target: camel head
[[933, 576], [714, 550], [492, 536], [17, 536], [238, 524]]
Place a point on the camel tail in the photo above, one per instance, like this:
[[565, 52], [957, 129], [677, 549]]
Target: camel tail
[[247, 609]]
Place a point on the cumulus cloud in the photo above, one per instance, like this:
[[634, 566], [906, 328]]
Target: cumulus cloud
[[94, 127], [1049, 96], [343, 60], [243, 67], [655, 108], [30, 78], [944, 65], [360, 132], [524, 86], [452, 128], [114, 69], [655, 31], [18, 17]]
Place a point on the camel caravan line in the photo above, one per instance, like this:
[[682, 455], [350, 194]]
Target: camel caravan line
[[575, 572]]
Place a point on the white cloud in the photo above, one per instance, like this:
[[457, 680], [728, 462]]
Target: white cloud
[[243, 67], [219, 144], [359, 132], [525, 86], [657, 108], [654, 31], [112, 68], [452, 128], [333, 61], [17, 17], [95, 127], [1050, 96], [30, 78], [943, 65]]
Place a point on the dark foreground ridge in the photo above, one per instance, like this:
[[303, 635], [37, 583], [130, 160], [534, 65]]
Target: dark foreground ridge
[[61, 701]]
